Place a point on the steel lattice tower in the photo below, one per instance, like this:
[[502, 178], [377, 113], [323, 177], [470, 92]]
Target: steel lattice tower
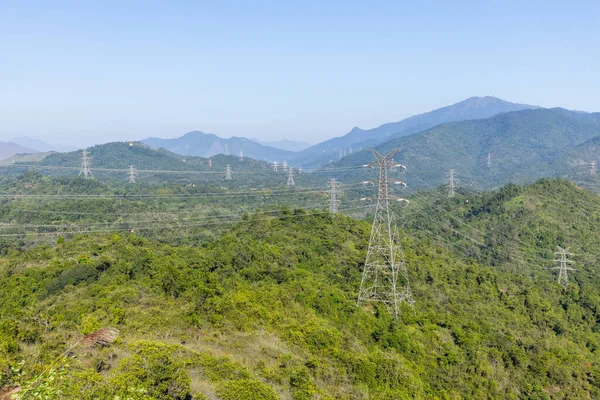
[[334, 193], [228, 172], [452, 181], [290, 181], [132, 174], [275, 166], [385, 276], [86, 165], [563, 268], [241, 155], [593, 168]]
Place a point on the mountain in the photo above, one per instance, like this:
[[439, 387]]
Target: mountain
[[289, 145], [8, 149], [111, 161], [469, 109], [40, 145], [522, 145], [267, 310], [202, 144]]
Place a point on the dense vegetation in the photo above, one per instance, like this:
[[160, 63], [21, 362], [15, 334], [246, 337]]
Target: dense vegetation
[[523, 146], [267, 309]]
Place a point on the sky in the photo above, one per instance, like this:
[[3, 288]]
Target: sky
[[83, 72]]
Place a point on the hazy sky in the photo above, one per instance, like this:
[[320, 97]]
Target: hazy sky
[[106, 70]]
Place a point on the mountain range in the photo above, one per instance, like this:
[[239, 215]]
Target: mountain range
[[206, 145], [469, 109], [518, 146], [9, 149], [517, 143], [202, 144], [285, 144]]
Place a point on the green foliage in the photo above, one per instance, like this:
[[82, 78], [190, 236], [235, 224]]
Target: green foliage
[[154, 370], [525, 146], [246, 389], [268, 309]]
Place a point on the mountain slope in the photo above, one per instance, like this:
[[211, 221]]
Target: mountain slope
[[289, 145], [112, 160], [268, 311], [521, 145], [207, 145], [472, 108], [9, 149]]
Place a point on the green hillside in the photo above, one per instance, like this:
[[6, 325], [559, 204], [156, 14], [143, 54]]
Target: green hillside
[[268, 309], [522, 146], [35, 208], [110, 163]]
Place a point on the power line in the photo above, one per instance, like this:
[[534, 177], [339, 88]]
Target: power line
[[155, 227]]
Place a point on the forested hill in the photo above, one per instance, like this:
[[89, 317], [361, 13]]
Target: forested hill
[[268, 309], [522, 146], [469, 109], [111, 161]]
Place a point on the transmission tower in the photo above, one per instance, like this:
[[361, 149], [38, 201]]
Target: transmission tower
[[385, 277], [335, 192], [132, 174], [489, 160], [210, 163], [563, 278], [593, 168], [275, 166], [452, 181], [226, 149], [228, 172], [241, 155], [350, 150], [299, 170], [340, 156], [284, 166], [290, 181], [86, 165]]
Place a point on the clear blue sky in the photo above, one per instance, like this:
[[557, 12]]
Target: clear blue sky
[[305, 70]]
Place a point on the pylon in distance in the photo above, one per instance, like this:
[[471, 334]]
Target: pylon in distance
[[226, 149], [86, 165], [299, 170], [210, 163], [275, 166], [452, 181], [489, 160], [284, 166], [228, 172], [335, 192], [385, 276], [563, 267], [241, 155], [290, 181], [132, 174], [593, 168]]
